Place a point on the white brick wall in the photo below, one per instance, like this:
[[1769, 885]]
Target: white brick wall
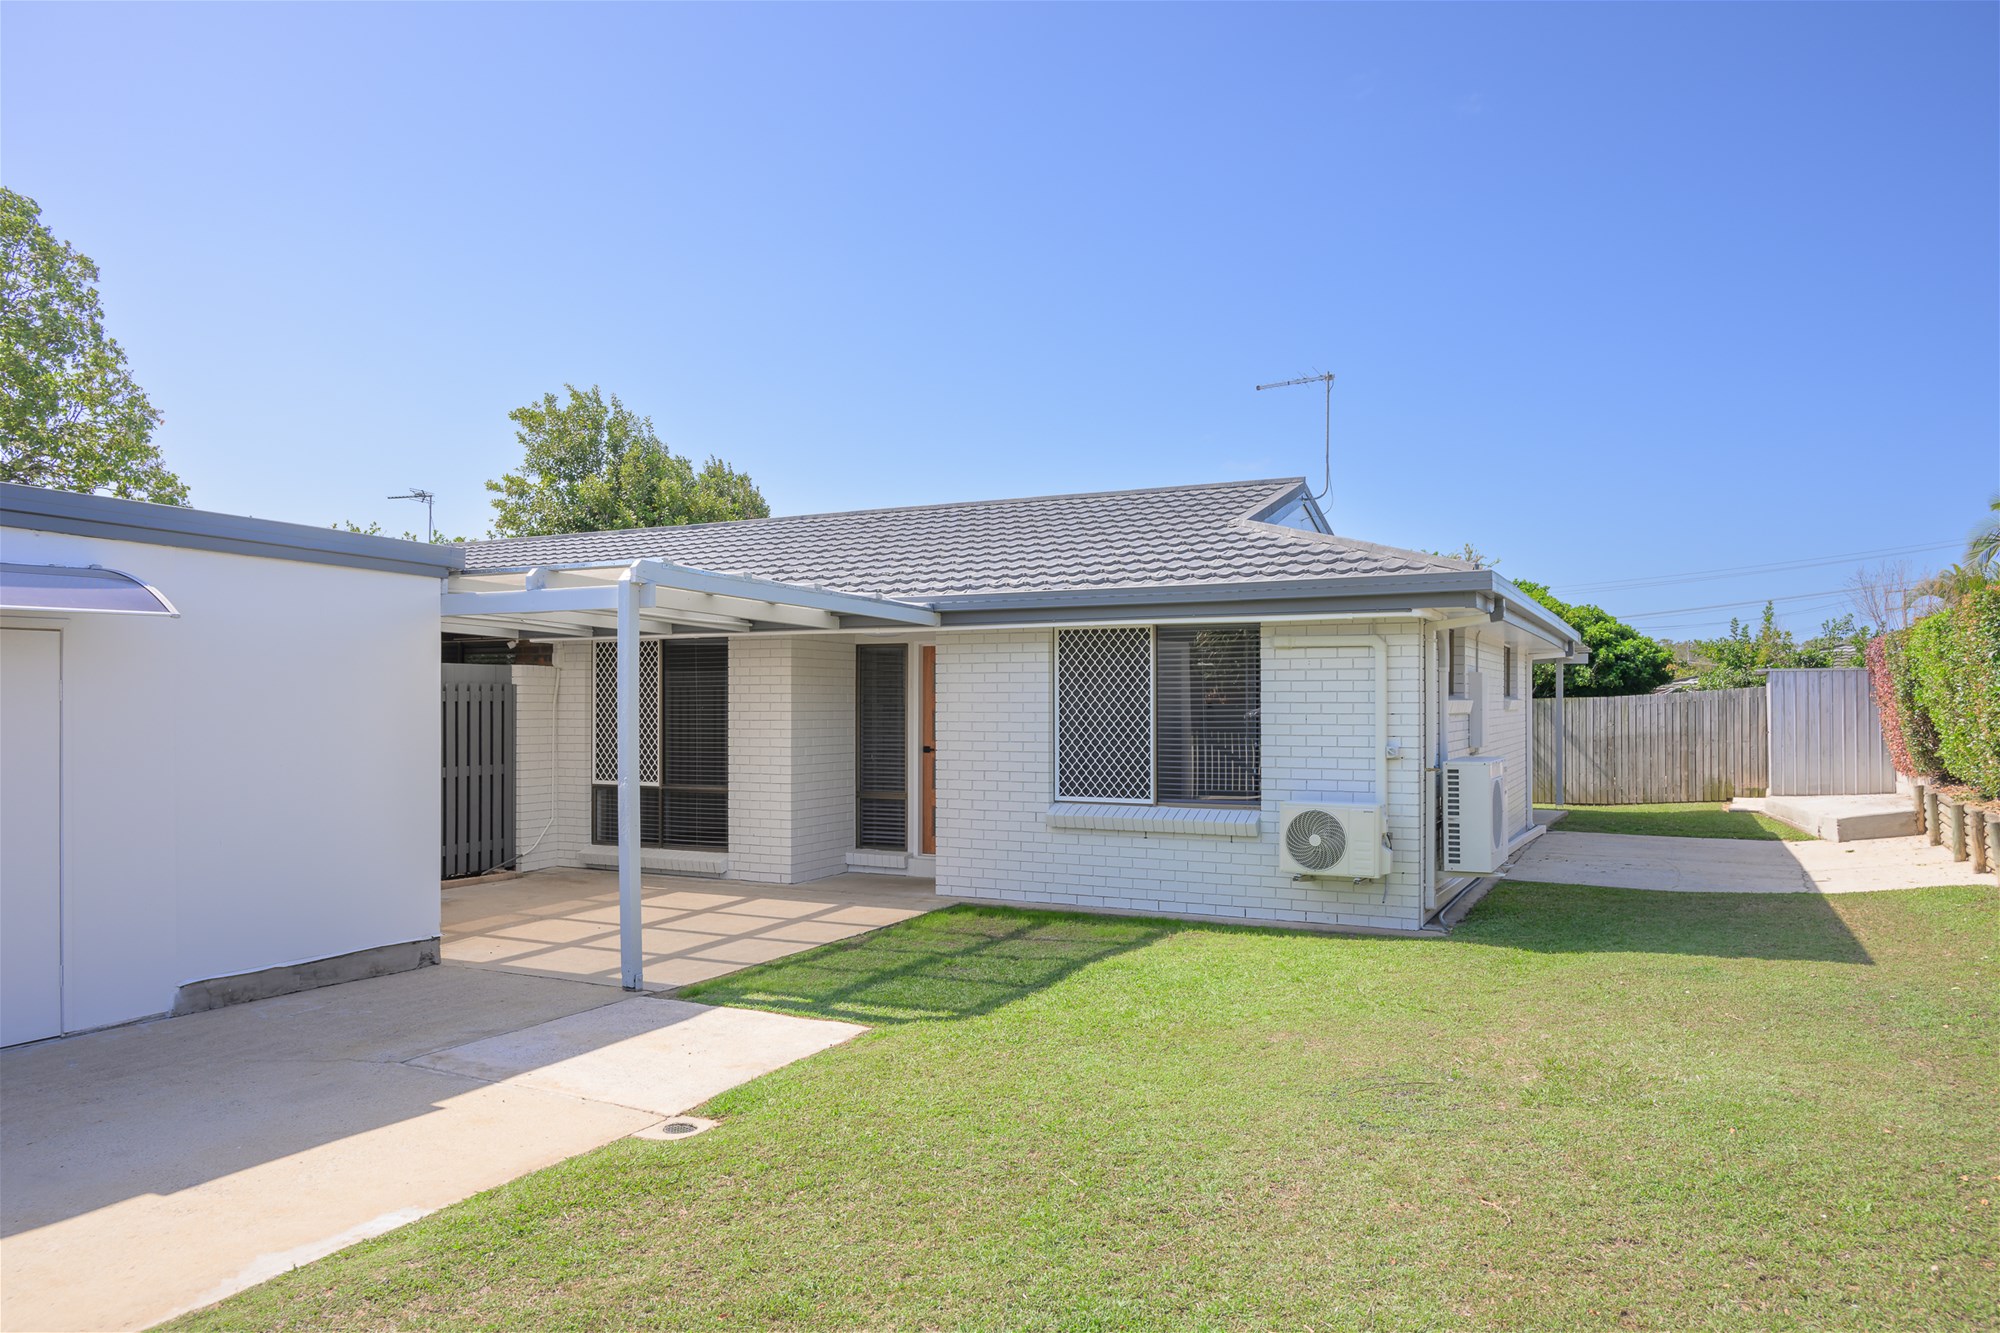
[[791, 757], [534, 763], [1506, 726], [791, 804], [995, 785], [822, 756], [554, 708]]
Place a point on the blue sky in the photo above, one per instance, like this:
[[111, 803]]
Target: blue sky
[[1612, 291]]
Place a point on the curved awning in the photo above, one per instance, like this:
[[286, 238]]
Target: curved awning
[[73, 588]]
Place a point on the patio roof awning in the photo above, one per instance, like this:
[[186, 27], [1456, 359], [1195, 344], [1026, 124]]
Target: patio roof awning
[[71, 588], [649, 597], [580, 601]]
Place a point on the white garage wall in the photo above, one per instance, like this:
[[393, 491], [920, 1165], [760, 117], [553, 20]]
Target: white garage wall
[[252, 785]]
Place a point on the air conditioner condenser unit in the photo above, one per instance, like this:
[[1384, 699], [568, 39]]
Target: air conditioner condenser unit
[[1475, 815], [1336, 837]]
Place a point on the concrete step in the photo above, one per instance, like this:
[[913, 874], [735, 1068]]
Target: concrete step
[[1839, 818]]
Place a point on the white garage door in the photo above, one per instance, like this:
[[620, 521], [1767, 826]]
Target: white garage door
[[30, 835]]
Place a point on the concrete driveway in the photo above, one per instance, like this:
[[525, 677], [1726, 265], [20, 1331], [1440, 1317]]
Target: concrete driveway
[[156, 1168], [1735, 865]]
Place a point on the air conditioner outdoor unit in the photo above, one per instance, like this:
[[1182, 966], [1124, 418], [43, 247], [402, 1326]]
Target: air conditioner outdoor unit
[[1335, 836], [1475, 815]]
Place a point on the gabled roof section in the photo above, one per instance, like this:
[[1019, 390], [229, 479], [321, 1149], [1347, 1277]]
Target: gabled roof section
[[1107, 541]]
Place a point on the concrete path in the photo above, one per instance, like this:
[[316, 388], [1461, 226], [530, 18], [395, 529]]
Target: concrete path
[[159, 1167], [564, 923], [1736, 865]]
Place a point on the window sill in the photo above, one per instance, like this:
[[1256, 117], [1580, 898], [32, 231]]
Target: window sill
[[1199, 821], [670, 860], [1457, 704]]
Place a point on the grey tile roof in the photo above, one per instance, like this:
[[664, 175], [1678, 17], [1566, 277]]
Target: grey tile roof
[[1170, 536]]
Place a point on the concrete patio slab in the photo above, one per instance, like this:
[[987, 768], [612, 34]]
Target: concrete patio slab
[[655, 1055], [1734, 865], [159, 1167], [1839, 818], [564, 923]]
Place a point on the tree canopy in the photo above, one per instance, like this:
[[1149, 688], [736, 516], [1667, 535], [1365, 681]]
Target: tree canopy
[[71, 416], [1622, 660], [591, 464], [1737, 660]]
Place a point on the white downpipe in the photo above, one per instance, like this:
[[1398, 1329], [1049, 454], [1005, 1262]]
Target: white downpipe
[[631, 958]]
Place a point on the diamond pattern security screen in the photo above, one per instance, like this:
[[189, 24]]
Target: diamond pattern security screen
[[683, 724], [1104, 714], [1209, 718], [605, 716]]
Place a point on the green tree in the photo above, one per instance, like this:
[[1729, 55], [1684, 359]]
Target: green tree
[[1738, 660], [71, 417], [1622, 660], [592, 465], [374, 529]]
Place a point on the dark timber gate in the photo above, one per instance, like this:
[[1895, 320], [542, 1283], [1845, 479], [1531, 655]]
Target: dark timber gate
[[478, 768]]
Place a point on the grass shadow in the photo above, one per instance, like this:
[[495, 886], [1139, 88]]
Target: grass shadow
[[1573, 918], [957, 963]]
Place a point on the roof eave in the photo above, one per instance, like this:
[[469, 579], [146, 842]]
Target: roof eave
[[1454, 590], [36, 509]]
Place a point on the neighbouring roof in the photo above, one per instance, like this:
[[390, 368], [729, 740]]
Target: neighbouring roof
[[1168, 536], [36, 509]]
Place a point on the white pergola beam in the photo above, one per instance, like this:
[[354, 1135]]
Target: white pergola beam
[[743, 608], [503, 626], [531, 601], [666, 574]]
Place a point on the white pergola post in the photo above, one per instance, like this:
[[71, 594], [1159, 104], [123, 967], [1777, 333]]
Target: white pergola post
[[1562, 669], [631, 955]]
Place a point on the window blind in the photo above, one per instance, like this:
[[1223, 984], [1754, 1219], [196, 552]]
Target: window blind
[[881, 749], [1208, 721]]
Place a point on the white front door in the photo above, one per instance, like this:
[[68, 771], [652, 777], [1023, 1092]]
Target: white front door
[[30, 834]]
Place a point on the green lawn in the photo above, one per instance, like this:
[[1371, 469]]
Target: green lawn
[[1694, 820], [1588, 1108]]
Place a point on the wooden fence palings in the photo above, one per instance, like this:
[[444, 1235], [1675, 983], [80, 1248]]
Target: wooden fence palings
[[1703, 745]]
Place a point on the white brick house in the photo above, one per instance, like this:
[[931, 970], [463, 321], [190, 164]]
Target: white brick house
[[1095, 701]]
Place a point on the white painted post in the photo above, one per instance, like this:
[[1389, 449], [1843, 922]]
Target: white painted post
[[631, 959], [1561, 740]]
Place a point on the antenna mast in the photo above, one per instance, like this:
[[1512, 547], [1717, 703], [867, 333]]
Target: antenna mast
[[1326, 379], [429, 498]]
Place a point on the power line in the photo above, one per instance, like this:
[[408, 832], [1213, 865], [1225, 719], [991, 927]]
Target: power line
[[1734, 571], [1749, 601]]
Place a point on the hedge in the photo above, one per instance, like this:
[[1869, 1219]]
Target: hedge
[[1884, 685], [1946, 674]]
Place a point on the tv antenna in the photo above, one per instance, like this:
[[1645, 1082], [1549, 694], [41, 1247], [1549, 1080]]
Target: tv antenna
[[429, 498], [1327, 380]]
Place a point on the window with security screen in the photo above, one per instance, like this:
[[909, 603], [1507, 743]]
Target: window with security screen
[[1171, 715], [1104, 714], [683, 744]]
